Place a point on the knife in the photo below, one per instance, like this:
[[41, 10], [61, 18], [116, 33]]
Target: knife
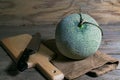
[[31, 48], [21, 49]]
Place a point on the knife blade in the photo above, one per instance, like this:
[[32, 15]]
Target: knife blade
[[31, 48]]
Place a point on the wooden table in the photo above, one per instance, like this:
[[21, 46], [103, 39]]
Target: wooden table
[[31, 16]]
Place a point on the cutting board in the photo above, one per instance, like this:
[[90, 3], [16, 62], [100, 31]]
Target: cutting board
[[15, 46]]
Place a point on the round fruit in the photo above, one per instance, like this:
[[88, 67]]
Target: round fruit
[[78, 36]]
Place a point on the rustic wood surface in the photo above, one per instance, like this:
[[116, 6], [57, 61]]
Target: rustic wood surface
[[30, 16], [37, 12]]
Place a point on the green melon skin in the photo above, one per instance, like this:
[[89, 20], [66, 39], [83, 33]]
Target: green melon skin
[[77, 42]]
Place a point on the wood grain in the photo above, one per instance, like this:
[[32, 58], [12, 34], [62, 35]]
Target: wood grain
[[30, 16], [37, 12], [104, 11]]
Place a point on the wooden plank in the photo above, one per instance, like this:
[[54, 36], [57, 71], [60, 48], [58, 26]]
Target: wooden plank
[[110, 43], [47, 31], [34, 11], [37, 12], [104, 11]]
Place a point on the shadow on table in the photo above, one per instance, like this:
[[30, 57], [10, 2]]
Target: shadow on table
[[12, 70]]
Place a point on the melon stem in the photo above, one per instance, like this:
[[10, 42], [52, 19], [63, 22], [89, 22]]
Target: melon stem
[[85, 22], [81, 21]]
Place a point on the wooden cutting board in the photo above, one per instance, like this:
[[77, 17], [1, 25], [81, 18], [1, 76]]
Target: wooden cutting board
[[15, 46]]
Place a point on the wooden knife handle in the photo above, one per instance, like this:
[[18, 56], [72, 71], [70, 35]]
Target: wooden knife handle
[[50, 71]]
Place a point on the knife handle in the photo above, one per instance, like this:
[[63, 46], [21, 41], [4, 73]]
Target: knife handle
[[22, 62], [50, 71]]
